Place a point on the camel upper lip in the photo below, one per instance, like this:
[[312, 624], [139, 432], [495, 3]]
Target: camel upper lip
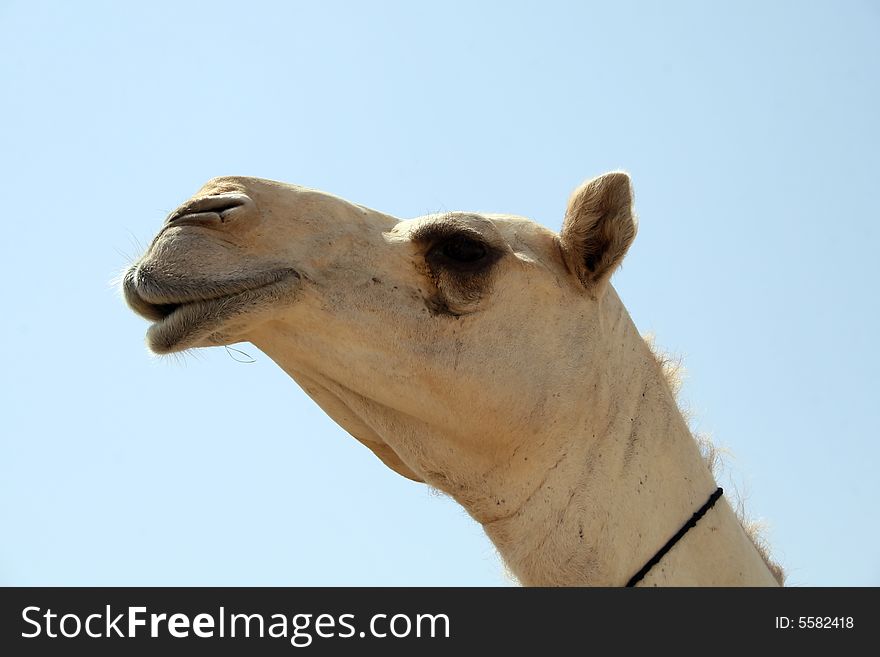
[[155, 300]]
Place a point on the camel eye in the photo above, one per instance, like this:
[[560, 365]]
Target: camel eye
[[463, 250], [457, 251]]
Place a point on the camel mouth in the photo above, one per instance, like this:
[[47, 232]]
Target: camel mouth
[[185, 314]]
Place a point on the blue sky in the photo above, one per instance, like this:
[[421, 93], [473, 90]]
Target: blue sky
[[751, 133]]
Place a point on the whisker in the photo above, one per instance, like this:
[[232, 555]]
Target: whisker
[[229, 351]]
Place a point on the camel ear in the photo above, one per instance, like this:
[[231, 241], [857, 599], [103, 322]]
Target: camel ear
[[598, 229]]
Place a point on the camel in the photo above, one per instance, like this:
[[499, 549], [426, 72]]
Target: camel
[[482, 354]]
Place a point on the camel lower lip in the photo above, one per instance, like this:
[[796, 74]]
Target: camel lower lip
[[189, 323]]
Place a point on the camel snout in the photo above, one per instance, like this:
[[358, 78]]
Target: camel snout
[[216, 208]]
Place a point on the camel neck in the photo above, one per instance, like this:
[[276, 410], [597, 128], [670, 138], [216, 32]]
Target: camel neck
[[628, 476]]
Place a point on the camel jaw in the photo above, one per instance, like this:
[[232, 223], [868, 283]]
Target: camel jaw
[[182, 318]]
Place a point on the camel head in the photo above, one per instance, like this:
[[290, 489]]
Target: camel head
[[447, 343]]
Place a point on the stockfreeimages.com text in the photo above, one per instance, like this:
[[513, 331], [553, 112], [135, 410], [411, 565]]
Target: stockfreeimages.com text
[[301, 629]]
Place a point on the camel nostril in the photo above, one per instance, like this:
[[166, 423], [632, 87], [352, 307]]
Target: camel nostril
[[217, 205]]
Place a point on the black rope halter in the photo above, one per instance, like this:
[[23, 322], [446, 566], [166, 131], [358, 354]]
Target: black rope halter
[[653, 561]]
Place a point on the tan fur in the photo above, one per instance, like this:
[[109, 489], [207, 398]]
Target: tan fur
[[673, 371], [482, 354]]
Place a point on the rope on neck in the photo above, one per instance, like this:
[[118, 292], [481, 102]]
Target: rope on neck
[[653, 561]]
